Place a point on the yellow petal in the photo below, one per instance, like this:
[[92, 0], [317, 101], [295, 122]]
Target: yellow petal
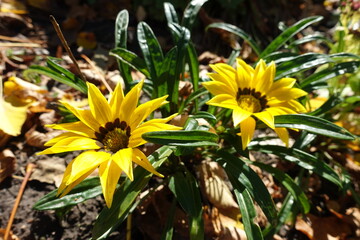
[[130, 102], [240, 115], [144, 110], [227, 72], [223, 100], [99, 106], [244, 74], [75, 127], [283, 135], [116, 100], [247, 128], [283, 83], [109, 173], [60, 137], [84, 115], [12, 118], [140, 159], [266, 117], [286, 94], [258, 73], [65, 189], [264, 84], [216, 88], [123, 158], [85, 162], [72, 144]]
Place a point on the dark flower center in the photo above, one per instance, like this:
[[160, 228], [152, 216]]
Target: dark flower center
[[250, 100], [114, 136]]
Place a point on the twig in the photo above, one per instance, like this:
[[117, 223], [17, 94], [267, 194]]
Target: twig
[[66, 46], [29, 169], [92, 65], [27, 44], [128, 227]]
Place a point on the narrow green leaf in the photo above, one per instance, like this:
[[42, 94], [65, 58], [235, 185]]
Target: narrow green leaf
[[190, 13], [124, 197], [181, 36], [131, 59], [170, 13], [301, 158], [240, 175], [278, 56], [87, 189], [192, 59], [73, 82], [310, 38], [289, 33], [168, 72], [289, 184], [194, 95], [151, 50], [292, 65], [327, 106], [248, 213], [238, 32], [181, 138], [167, 233], [121, 25], [208, 116], [313, 124], [185, 188], [322, 76]]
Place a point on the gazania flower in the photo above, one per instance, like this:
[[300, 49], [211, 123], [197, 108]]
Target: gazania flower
[[109, 132], [253, 94]]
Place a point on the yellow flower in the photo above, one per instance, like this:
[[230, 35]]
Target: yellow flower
[[110, 132], [252, 93]]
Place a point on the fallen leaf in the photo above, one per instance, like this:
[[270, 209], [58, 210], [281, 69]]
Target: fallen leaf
[[49, 170], [323, 228], [7, 164], [12, 117], [214, 186]]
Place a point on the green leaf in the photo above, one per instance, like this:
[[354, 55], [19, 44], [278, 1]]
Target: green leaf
[[320, 78], [289, 184], [327, 106], [124, 197], [170, 13], [310, 38], [131, 59], [289, 33], [151, 50], [192, 59], [301, 158], [185, 188], [121, 25], [238, 32], [240, 175], [291, 65], [167, 233], [190, 13], [313, 124], [87, 189], [192, 97], [211, 118], [167, 74], [182, 138], [248, 213], [73, 82]]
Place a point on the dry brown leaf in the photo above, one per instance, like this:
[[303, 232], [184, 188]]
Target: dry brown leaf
[[223, 224], [8, 163], [323, 228], [214, 186], [4, 137], [38, 139], [49, 170]]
